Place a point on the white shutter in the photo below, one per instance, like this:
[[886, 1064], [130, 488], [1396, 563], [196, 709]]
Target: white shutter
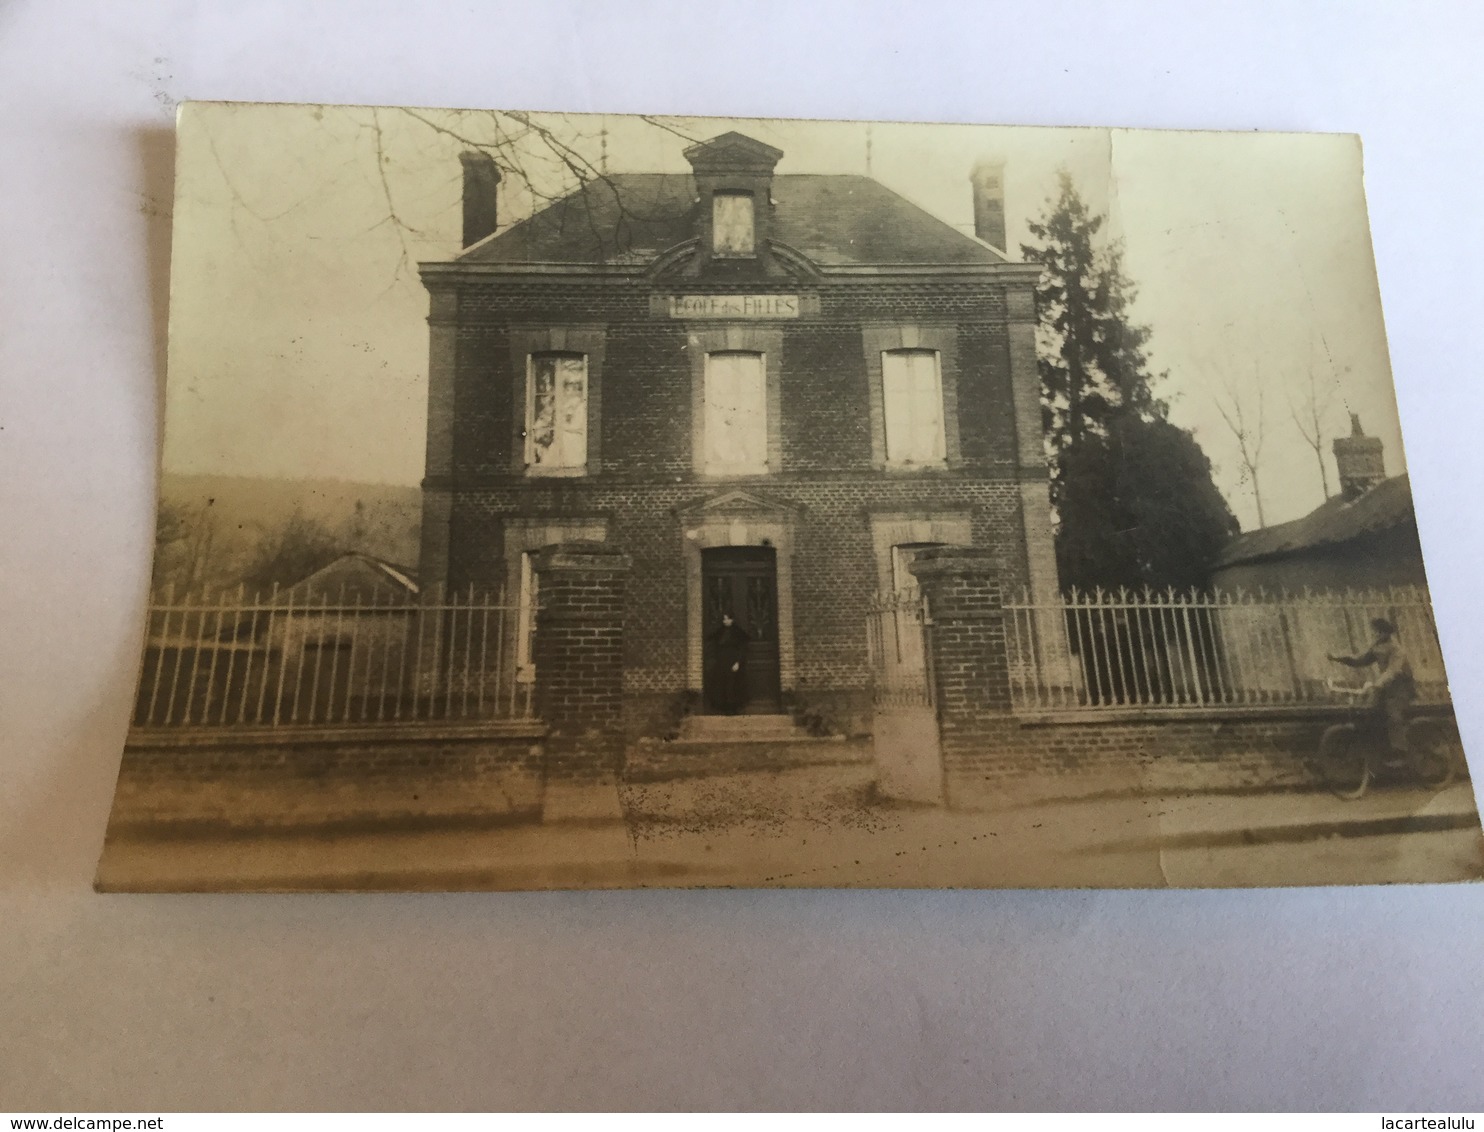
[[732, 225], [912, 395], [752, 410], [720, 389], [525, 670], [736, 414], [898, 406], [927, 409]]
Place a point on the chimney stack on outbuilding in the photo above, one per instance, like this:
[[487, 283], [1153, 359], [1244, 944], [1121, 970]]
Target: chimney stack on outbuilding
[[988, 179], [1360, 460], [481, 191]]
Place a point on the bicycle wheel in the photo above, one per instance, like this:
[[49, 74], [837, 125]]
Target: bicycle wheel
[[1342, 763], [1431, 751]]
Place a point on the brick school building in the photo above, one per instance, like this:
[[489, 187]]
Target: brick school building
[[769, 390]]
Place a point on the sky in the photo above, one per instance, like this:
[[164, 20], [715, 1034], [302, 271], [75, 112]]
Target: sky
[[298, 340]]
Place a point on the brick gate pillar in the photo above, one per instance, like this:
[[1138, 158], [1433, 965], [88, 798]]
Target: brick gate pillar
[[970, 668], [578, 654]]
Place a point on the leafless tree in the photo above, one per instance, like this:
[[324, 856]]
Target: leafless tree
[[541, 162], [1309, 418], [1243, 413]]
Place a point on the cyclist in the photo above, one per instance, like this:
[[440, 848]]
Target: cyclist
[[1394, 688]]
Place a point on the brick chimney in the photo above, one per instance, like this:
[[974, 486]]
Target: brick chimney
[[481, 187], [988, 180], [1360, 461]]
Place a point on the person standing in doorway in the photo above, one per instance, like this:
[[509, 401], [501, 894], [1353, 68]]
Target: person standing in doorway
[[729, 658]]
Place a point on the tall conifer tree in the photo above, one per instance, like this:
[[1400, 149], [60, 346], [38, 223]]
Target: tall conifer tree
[[1135, 501]]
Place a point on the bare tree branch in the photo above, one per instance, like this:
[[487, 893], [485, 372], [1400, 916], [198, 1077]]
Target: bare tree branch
[[1308, 417], [404, 260], [661, 124], [1248, 428], [543, 162], [515, 140]]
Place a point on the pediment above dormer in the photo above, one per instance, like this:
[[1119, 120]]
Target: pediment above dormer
[[775, 261]]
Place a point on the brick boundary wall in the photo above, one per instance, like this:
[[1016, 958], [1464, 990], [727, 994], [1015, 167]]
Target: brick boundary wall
[[990, 755], [1237, 750], [1069, 759], [578, 654], [329, 778]]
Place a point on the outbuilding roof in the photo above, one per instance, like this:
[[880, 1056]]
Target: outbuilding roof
[[834, 219], [353, 578], [1333, 522]]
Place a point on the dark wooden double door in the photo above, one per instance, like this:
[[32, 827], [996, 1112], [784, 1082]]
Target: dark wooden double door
[[741, 581]]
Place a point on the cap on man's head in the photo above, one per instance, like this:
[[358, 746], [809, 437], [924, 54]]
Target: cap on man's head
[[1381, 625]]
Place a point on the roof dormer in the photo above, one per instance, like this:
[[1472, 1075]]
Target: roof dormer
[[734, 179]]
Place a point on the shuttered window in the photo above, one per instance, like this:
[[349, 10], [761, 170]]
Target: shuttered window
[[736, 420], [912, 390], [733, 231]]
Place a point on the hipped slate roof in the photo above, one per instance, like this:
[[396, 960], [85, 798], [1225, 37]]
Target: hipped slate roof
[[1335, 521], [835, 220]]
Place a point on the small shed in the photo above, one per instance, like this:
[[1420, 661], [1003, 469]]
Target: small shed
[[1365, 538], [1368, 542], [357, 598]]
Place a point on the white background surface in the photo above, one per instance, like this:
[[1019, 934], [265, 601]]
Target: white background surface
[[1364, 998]]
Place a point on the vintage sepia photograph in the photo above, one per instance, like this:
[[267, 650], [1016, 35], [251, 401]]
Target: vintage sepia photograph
[[575, 501]]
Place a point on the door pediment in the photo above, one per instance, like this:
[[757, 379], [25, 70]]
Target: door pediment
[[738, 504]]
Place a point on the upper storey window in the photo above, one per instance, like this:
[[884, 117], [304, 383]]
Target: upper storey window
[[733, 226], [556, 414], [736, 421], [912, 388]]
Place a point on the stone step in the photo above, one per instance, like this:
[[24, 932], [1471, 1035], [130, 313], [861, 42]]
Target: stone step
[[741, 728]]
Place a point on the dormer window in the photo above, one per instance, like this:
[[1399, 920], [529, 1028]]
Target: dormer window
[[734, 178], [733, 226]]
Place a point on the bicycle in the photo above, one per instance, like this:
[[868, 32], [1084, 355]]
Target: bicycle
[[1351, 753]]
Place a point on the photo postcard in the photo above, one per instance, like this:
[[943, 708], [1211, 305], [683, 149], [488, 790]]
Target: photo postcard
[[574, 501]]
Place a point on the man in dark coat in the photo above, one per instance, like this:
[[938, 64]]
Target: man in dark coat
[[729, 665]]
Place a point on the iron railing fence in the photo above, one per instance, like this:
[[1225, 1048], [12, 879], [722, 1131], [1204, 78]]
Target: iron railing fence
[[1171, 650], [900, 660], [282, 659]]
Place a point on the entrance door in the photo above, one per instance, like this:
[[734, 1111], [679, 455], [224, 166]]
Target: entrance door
[[741, 581]]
